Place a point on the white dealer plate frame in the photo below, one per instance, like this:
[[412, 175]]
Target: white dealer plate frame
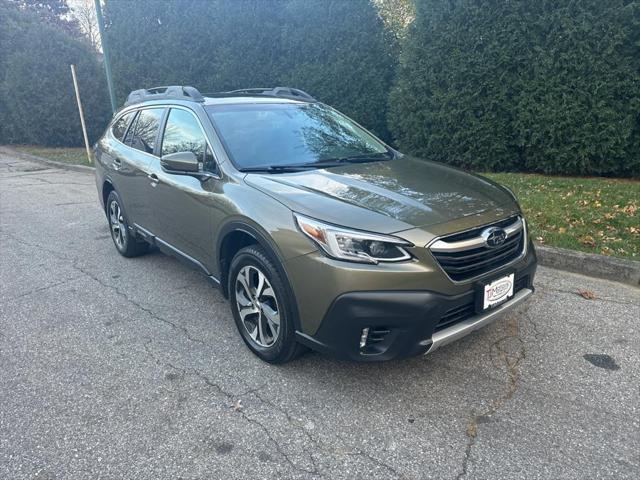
[[498, 291]]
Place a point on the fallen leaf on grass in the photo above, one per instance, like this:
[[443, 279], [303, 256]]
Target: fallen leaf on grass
[[588, 241], [587, 294], [562, 230]]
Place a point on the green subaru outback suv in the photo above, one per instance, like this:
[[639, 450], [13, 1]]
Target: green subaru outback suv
[[318, 233]]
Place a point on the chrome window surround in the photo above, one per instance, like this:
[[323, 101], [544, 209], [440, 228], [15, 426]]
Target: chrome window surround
[[438, 244]]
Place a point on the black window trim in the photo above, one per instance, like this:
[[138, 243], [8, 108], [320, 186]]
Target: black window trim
[[215, 174], [137, 111], [126, 130], [130, 127]]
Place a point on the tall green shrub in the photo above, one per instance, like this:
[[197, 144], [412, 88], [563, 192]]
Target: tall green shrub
[[37, 101], [550, 85], [337, 50]]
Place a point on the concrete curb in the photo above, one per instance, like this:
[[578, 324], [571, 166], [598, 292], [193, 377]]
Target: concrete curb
[[46, 161], [590, 264]]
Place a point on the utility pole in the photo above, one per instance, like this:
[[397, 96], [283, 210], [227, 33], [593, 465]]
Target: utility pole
[[105, 53]]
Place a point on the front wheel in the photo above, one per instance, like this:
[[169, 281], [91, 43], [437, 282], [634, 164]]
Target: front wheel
[[262, 306]]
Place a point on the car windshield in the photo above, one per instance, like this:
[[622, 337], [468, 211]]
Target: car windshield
[[285, 134]]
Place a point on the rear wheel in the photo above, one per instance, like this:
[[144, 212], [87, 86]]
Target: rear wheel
[[262, 306], [126, 244]]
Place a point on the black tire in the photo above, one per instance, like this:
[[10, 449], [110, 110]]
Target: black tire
[[284, 347], [123, 239]]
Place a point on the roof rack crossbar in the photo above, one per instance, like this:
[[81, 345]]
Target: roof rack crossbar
[[280, 92], [174, 92]]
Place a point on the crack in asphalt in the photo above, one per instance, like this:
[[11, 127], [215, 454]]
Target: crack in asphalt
[[46, 287], [254, 421], [74, 264], [231, 398], [510, 350]]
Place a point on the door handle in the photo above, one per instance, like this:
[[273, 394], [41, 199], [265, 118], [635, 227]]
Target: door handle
[[117, 164], [154, 179]]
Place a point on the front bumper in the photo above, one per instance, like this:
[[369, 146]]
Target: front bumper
[[406, 323]]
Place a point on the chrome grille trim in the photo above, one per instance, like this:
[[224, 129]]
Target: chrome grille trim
[[446, 253], [476, 242]]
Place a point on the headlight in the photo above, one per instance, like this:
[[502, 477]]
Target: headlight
[[353, 245]]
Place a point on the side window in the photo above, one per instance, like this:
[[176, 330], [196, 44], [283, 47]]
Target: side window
[[146, 129], [120, 127], [129, 135], [183, 134]]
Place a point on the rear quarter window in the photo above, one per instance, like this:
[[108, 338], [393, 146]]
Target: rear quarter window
[[119, 128]]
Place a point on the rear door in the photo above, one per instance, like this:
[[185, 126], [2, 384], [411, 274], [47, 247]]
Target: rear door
[[183, 203], [136, 167]]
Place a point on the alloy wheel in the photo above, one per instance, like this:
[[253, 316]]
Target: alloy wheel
[[257, 306], [118, 227]]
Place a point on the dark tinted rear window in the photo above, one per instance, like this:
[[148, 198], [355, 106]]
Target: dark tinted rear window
[[120, 127]]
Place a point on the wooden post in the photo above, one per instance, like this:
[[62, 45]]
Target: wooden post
[[84, 127]]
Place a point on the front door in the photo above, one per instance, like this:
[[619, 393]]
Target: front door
[[183, 203]]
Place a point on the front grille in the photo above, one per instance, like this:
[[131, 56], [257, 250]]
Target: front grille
[[464, 263], [468, 310]]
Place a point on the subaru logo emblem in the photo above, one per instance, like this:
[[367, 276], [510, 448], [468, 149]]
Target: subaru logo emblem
[[494, 236]]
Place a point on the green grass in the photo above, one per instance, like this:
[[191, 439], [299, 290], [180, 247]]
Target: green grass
[[76, 156], [596, 215]]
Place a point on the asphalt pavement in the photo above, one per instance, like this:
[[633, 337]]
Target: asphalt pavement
[[117, 368]]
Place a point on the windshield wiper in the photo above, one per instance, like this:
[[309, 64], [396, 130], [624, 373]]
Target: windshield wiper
[[280, 168], [329, 162], [362, 158]]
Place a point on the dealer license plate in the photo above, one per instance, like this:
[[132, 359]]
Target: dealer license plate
[[498, 291]]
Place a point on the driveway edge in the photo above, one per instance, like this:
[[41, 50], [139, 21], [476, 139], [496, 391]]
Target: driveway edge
[[589, 264], [46, 161]]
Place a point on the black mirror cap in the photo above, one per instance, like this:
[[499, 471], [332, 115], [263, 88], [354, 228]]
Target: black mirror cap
[[181, 162]]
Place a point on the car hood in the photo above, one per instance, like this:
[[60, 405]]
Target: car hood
[[385, 197]]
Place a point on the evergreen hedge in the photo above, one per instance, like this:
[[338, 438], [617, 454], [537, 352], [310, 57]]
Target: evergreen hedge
[[550, 86], [37, 100], [336, 50], [547, 85]]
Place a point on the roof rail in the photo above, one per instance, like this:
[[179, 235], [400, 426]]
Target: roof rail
[[280, 92], [173, 92]]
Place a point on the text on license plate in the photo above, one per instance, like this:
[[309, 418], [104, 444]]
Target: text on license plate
[[498, 291]]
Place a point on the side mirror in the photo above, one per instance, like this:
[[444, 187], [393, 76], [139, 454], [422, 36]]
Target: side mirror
[[186, 162]]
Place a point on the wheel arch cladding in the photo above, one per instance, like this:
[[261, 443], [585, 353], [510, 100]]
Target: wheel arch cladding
[[237, 235], [107, 188]]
